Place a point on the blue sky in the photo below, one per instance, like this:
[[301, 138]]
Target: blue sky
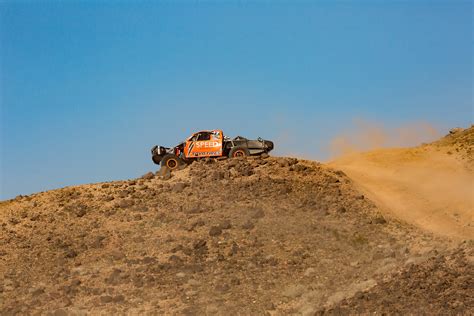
[[88, 87]]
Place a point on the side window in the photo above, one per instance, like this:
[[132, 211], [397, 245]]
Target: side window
[[216, 135], [204, 136]]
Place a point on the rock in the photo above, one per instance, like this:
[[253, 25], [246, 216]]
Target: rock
[[164, 173], [118, 298], [60, 312], [180, 275], [106, 299], [285, 190], [76, 282], [248, 225], [65, 301], [341, 210], [299, 168], [148, 176], [37, 292], [308, 310], [222, 287], [246, 172], [105, 186], [14, 221], [193, 282], [294, 291], [81, 212], [70, 253], [175, 259], [414, 260], [191, 293], [309, 271], [123, 193], [269, 306], [233, 249], [125, 203], [257, 213], [142, 209], [340, 173], [138, 281], [107, 198], [350, 291], [114, 278], [283, 163], [215, 231], [387, 266], [194, 210], [363, 286], [379, 220], [455, 130], [234, 281], [225, 224], [233, 163], [292, 161], [271, 260], [404, 250], [217, 175], [208, 161], [117, 254], [179, 187]]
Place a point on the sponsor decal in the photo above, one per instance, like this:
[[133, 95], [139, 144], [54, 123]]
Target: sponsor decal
[[190, 148], [211, 153], [207, 144]]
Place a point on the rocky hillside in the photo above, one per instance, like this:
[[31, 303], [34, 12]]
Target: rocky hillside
[[459, 141], [242, 236], [440, 285]]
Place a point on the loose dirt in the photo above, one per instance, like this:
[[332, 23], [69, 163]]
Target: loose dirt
[[431, 186]]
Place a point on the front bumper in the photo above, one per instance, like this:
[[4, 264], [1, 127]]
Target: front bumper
[[268, 145]]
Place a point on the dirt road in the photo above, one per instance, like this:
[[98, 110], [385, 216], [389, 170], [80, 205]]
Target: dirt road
[[428, 186]]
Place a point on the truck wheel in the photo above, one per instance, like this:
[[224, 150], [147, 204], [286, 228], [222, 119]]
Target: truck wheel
[[157, 159], [238, 151], [171, 162]]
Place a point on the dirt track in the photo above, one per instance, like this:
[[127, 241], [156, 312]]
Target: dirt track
[[423, 186], [271, 236]]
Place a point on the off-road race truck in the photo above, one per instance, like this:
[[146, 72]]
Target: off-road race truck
[[208, 144]]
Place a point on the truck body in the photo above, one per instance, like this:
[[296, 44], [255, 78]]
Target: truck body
[[208, 144]]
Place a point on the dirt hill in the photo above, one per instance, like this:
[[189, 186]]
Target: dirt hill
[[431, 186], [242, 236]]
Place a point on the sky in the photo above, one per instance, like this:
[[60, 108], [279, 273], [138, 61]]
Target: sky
[[88, 87]]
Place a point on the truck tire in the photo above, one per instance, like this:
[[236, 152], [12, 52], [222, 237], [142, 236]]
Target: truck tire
[[171, 161], [156, 159], [238, 151]]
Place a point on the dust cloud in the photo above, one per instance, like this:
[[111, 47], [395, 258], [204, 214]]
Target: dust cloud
[[430, 186], [365, 135]]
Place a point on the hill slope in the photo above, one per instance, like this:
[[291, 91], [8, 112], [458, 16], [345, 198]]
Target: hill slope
[[248, 236], [431, 186]]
